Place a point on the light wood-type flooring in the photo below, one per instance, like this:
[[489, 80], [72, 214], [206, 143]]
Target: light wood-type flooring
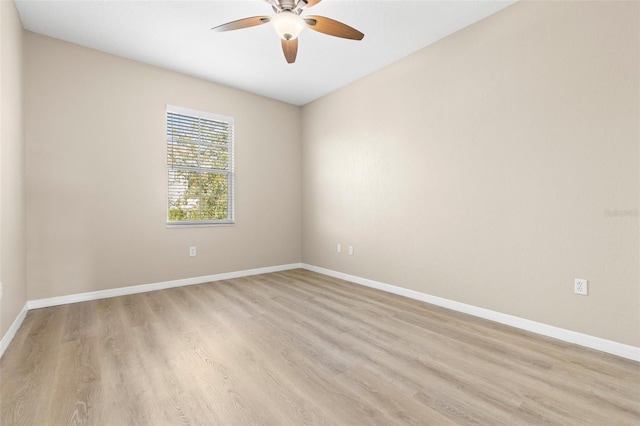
[[293, 348]]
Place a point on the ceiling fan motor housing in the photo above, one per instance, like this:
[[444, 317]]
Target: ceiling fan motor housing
[[291, 5]]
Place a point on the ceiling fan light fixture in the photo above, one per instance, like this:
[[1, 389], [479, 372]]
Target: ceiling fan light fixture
[[287, 24]]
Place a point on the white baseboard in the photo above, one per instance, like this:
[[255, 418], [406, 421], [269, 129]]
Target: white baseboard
[[123, 291], [615, 348], [11, 332]]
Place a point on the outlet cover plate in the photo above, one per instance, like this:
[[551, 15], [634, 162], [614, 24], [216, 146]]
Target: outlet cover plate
[[581, 287]]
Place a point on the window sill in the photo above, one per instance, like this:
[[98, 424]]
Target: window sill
[[198, 225]]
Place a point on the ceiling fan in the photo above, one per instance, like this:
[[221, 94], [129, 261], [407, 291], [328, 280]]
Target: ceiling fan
[[288, 23]]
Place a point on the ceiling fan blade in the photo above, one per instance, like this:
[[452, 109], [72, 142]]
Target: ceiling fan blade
[[311, 3], [290, 49], [332, 28], [242, 23]]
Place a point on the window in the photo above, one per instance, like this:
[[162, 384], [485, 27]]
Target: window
[[199, 167]]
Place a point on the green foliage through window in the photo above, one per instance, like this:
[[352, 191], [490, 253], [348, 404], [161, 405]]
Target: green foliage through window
[[200, 167]]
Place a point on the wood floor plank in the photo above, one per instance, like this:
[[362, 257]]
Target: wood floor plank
[[75, 392], [295, 362], [391, 401], [108, 317], [135, 312], [253, 368], [26, 370], [297, 347], [408, 356], [80, 321]]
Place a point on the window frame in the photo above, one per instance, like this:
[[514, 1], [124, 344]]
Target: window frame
[[229, 171]]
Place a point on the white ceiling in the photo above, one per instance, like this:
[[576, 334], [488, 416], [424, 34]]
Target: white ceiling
[[176, 35]]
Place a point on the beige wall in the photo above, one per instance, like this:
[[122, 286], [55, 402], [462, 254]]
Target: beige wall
[[12, 166], [96, 174], [481, 168]]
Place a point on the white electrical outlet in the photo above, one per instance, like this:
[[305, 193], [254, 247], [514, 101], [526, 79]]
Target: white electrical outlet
[[192, 251], [581, 286], [350, 250], [339, 248], [0, 291]]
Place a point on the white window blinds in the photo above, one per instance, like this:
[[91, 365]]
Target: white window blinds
[[200, 167]]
